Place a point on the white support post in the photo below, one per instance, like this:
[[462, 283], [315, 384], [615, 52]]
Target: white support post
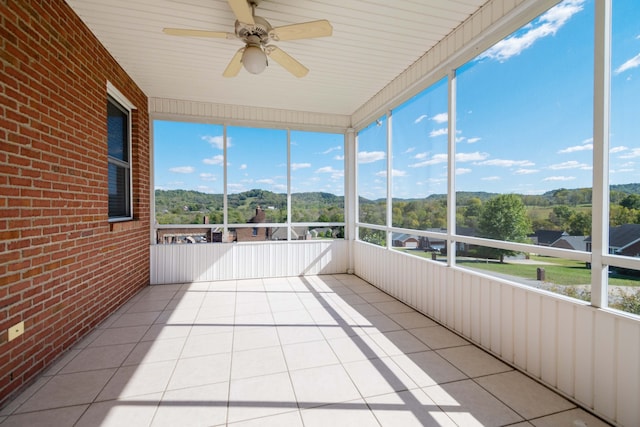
[[350, 193], [601, 112], [389, 213], [451, 172]]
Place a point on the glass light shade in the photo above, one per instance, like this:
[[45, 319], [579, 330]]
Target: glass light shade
[[254, 59]]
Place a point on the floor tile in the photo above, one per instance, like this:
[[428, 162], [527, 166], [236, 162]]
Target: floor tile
[[197, 371], [438, 337], [260, 397], [473, 361], [309, 355], [256, 362], [51, 417], [115, 336], [411, 319], [68, 390], [288, 419], [408, 409], [138, 380], [351, 349], [155, 351], [205, 345], [292, 334], [428, 368], [467, 404], [398, 342], [378, 376], [195, 406], [572, 418], [376, 324], [352, 413], [137, 411], [522, 394], [323, 386], [92, 358], [393, 306], [163, 332], [146, 318]]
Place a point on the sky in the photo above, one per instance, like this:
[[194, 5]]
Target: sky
[[524, 125]]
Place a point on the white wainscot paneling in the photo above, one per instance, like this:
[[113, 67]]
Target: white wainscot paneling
[[588, 354], [210, 262]]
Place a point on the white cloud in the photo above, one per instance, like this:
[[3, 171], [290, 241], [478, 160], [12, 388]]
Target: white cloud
[[583, 147], [216, 141], [473, 140], [338, 158], [437, 158], [631, 63], [524, 171], [370, 156], [243, 167], [559, 178], [421, 156], [267, 181], [215, 160], [208, 177], [296, 166], [471, 157], [438, 132], [335, 173], [571, 164], [440, 118], [618, 149], [462, 171], [505, 163], [547, 25], [491, 178], [394, 172], [182, 169], [409, 150], [419, 119], [327, 151], [635, 152]]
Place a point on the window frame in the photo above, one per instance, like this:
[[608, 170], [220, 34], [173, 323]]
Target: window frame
[[118, 100]]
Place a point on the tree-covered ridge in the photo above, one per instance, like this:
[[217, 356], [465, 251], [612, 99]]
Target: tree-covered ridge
[[560, 209]]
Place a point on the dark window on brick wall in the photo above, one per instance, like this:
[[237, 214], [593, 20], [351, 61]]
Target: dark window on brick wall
[[118, 135]]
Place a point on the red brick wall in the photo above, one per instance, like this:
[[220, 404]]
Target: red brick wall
[[63, 266]]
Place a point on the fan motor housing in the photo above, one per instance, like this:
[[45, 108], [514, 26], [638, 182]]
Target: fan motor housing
[[260, 29]]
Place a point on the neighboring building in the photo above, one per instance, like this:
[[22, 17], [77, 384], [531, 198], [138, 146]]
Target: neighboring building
[[402, 240], [546, 237], [254, 234], [576, 243], [623, 240]]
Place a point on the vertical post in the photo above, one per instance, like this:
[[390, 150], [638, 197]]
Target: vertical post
[[601, 111], [288, 185], [451, 171], [389, 216], [350, 193], [225, 214]]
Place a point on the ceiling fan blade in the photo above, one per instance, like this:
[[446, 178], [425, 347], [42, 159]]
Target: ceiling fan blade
[[242, 10], [198, 33], [235, 65], [305, 30], [286, 61]]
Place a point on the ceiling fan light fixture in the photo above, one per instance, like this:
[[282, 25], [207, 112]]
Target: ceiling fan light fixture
[[254, 59]]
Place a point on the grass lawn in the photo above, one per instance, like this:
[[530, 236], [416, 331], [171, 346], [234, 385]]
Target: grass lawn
[[557, 270]]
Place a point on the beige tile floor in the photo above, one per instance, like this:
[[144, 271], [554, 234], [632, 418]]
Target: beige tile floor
[[304, 351]]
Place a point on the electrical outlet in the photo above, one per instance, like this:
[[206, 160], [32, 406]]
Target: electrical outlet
[[15, 331]]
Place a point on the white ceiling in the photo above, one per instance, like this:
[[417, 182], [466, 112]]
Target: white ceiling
[[373, 42]]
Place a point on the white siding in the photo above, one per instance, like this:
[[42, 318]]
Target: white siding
[[588, 354]]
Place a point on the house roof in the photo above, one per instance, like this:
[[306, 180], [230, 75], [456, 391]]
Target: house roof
[[578, 243], [547, 237], [373, 42], [623, 235]]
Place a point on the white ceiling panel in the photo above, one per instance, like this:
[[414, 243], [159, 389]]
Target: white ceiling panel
[[373, 41]]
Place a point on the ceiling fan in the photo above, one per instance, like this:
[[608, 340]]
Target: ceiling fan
[[257, 33]]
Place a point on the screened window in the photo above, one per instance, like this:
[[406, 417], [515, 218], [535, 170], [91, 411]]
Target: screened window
[[119, 143]]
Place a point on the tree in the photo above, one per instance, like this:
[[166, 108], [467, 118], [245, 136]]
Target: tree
[[580, 224], [504, 217], [632, 201]]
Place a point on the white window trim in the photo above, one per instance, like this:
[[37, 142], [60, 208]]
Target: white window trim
[[117, 96]]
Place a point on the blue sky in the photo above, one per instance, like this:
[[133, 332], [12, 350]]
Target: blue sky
[[524, 125]]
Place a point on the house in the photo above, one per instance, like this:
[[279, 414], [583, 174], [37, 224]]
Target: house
[[546, 237], [254, 234], [623, 240], [576, 243]]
